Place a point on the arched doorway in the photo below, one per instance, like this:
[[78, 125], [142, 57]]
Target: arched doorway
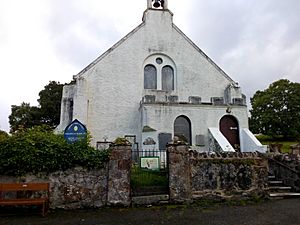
[[182, 128], [229, 127]]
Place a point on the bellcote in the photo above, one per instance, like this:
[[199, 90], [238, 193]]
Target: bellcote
[[157, 4], [158, 13]]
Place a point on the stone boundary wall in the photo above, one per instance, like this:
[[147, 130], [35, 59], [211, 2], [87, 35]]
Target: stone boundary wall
[[195, 175], [192, 176], [71, 189], [82, 188], [290, 177]]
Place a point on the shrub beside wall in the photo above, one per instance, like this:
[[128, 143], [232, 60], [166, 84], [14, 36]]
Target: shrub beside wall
[[39, 150]]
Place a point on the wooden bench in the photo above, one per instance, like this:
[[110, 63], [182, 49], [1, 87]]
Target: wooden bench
[[25, 194]]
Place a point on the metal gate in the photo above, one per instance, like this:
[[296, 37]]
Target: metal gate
[[149, 173]]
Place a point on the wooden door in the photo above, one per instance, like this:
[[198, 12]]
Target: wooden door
[[229, 127]]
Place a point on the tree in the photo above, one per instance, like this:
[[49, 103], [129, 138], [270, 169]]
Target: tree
[[47, 113], [24, 116], [276, 110], [3, 135], [50, 102]]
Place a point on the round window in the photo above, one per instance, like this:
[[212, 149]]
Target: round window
[[159, 61]]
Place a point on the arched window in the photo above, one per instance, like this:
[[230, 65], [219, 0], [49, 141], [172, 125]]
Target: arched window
[[150, 77], [159, 73], [182, 128], [167, 76]]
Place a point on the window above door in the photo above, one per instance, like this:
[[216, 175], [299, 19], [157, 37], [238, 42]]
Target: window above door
[[159, 73]]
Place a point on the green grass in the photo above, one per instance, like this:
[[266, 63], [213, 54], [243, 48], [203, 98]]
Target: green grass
[[146, 178], [286, 143]]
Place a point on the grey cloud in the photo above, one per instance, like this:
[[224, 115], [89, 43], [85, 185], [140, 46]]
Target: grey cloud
[[77, 36], [255, 42], [74, 49], [218, 25]]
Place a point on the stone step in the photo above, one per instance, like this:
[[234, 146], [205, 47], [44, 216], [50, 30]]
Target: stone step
[[284, 194], [164, 202], [280, 188], [275, 182], [149, 200], [271, 177]]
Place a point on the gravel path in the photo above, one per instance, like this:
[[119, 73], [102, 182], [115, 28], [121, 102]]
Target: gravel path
[[276, 212]]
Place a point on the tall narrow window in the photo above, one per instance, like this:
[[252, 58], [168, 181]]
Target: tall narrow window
[[182, 129], [167, 74], [150, 77]]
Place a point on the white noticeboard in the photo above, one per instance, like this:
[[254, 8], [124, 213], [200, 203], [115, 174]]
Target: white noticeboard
[[151, 163]]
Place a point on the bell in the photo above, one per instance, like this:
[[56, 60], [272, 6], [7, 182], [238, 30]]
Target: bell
[[156, 4]]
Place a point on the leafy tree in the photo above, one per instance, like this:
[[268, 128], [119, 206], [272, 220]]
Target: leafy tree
[[24, 116], [48, 111], [3, 135], [276, 110], [50, 102]]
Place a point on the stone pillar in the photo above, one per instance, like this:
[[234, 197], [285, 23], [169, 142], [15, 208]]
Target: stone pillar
[[119, 176], [179, 173]]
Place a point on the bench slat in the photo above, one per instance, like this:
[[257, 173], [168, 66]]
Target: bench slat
[[24, 186], [23, 201]]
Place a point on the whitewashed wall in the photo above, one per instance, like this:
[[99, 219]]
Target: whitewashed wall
[[161, 117], [109, 91]]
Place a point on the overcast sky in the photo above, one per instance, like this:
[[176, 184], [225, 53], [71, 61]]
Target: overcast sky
[[255, 42]]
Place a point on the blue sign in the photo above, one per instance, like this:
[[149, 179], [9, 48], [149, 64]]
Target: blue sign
[[75, 131]]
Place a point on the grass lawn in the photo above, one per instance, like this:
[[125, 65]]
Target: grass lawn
[[285, 145], [267, 140], [143, 178]]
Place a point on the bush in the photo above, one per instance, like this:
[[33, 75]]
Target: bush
[[3, 135], [39, 150]]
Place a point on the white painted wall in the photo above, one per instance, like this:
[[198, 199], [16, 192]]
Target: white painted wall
[[222, 141], [249, 142], [68, 93], [162, 117]]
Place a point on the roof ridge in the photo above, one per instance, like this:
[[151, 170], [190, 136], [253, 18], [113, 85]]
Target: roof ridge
[[202, 53], [109, 50]]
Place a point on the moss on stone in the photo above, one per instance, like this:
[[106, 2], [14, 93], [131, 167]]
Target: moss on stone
[[121, 141], [148, 129]]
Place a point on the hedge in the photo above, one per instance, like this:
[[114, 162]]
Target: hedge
[[39, 150]]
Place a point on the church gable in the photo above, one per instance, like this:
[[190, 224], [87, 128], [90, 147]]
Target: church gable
[[202, 53], [194, 72], [154, 77]]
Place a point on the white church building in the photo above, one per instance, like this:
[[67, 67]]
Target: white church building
[[155, 84]]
